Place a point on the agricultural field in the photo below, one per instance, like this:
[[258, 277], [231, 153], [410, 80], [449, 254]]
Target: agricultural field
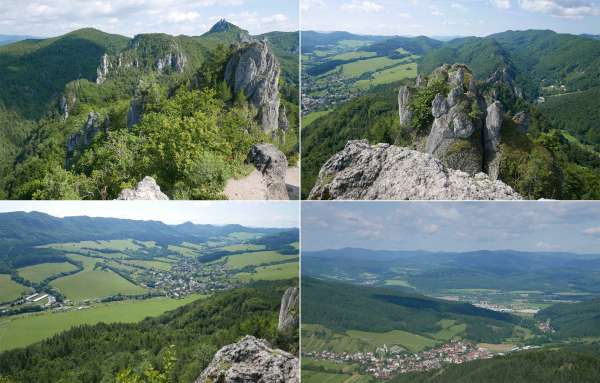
[[243, 247], [116, 244], [157, 265], [412, 342], [274, 272], [311, 117], [9, 289], [327, 371], [360, 67], [184, 251], [388, 76], [40, 272], [20, 331], [239, 261]]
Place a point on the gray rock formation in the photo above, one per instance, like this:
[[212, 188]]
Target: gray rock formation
[[289, 310], [454, 137], [146, 189], [284, 124], [522, 120], [84, 137], [174, 61], [491, 138], [405, 112], [103, 68], [272, 164], [251, 360], [63, 107], [254, 70], [134, 113], [364, 172]]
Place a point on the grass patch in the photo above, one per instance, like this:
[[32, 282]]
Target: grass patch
[[271, 273], [38, 273], [398, 282], [24, 330], [353, 55], [10, 290], [91, 284], [239, 261], [389, 76], [358, 68], [243, 247], [313, 116], [157, 265]]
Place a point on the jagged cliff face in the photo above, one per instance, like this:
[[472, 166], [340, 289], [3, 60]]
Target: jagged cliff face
[[288, 312], [255, 70], [159, 53], [467, 118]]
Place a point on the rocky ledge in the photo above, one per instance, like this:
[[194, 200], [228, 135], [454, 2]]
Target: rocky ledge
[[146, 189], [288, 313], [383, 171], [251, 360]]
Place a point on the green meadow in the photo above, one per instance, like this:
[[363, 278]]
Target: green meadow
[[157, 265], [412, 342], [239, 261], [313, 116], [9, 289], [24, 330], [358, 68], [388, 76], [274, 272], [38, 273]]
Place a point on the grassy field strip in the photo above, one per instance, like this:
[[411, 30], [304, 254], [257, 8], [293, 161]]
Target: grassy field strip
[[157, 265], [243, 247], [390, 75], [28, 329], [239, 261], [9, 289], [271, 273], [40, 272], [358, 68], [352, 55], [312, 117], [183, 251]]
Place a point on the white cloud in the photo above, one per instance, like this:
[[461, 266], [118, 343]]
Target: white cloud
[[502, 4], [307, 5], [457, 6], [592, 231], [568, 9], [278, 18], [435, 11], [363, 6], [180, 17]]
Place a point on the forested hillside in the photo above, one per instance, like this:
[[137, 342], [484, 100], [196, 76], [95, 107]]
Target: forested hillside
[[88, 114], [174, 347]]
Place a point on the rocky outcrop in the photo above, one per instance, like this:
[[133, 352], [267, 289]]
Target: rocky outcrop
[[146, 189], [404, 109], [455, 136], [134, 113], [84, 138], [491, 139], [251, 360], [384, 172], [272, 165], [150, 52], [103, 68], [288, 312], [63, 107], [254, 70]]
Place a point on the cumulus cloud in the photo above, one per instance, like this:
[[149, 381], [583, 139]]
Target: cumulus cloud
[[431, 228], [307, 5], [129, 17], [363, 6], [568, 9]]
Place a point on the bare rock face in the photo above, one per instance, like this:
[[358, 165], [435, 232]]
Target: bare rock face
[[384, 172], [454, 136], [134, 113], [406, 114], [491, 137], [146, 189], [251, 360], [84, 137], [102, 71], [254, 70], [63, 107], [288, 312], [272, 164]]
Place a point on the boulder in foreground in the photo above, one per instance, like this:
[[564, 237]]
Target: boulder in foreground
[[146, 189], [386, 172]]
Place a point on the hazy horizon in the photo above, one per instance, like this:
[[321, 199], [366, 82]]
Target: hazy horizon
[[246, 213], [450, 18], [555, 226]]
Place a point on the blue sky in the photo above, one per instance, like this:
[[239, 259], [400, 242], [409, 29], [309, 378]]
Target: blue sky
[[453, 226], [129, 17], [247, 213], [450, 17]]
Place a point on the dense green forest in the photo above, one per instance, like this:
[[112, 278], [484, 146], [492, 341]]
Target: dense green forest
[[548, 366], [192, 136], [557, 158], [174, 347], [575, 320], [340, 307]]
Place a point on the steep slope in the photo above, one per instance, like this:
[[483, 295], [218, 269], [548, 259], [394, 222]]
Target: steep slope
[[415, 45], [179, 344]]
